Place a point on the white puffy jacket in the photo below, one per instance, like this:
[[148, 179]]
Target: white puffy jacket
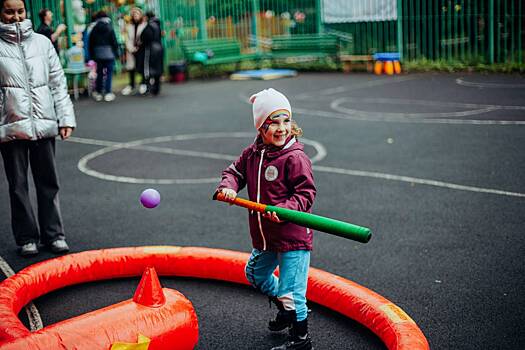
[[34, 100]]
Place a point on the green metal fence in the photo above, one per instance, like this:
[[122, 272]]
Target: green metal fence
[[462, 30], [249, 21], [470, 31], [34, 7]]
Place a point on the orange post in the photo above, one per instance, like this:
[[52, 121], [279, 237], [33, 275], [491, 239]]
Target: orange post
[[389, 68], [378, 67], [397, 67]]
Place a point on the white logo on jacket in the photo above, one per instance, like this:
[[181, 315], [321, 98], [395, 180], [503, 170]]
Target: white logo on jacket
[[271, 173]]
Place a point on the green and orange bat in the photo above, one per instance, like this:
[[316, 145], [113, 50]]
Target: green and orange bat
[[316, 222]]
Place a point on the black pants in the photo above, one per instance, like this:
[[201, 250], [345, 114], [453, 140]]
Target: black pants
[[154, 85], [40, 154], [131, 75]]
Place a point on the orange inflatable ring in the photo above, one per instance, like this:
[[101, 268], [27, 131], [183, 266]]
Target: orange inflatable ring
[[395, 328]]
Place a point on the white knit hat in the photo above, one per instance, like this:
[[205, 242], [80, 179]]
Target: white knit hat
[[265, 103]]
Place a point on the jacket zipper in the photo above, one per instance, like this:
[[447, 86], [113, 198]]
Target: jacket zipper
[[26, 75], [259, 198]]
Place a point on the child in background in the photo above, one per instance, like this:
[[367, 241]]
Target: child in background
[[276, 171]]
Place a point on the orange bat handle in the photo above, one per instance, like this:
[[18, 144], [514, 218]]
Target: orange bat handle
[[241, 202]]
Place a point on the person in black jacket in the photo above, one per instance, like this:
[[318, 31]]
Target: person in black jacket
[[153, 53], [46, 18], [103, 49]]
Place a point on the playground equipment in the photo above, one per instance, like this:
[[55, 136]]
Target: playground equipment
[[176, 323], [387, 62]]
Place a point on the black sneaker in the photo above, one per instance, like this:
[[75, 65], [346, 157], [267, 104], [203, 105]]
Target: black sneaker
[[28, 249], [299, 339], [59, 246], [296, 344], [282, 321], [284, 317]]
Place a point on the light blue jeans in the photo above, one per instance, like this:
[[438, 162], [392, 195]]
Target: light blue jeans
[[290, 287]]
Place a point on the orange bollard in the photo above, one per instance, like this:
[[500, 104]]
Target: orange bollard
[[378, 68], [397, 67], [389, 68]]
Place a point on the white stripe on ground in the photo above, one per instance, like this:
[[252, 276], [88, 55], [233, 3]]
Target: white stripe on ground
[[398, 118], [463, 82], [421, 117], [321, 153], [341, 89], [142, 146], [35, 321], [415, 180]]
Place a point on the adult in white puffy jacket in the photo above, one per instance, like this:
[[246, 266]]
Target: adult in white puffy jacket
[[34, 108]]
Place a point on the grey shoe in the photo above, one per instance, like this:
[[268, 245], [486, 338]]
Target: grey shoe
[[59, 246], [143, 88], [109, 97], [97, 96], [28, 249]]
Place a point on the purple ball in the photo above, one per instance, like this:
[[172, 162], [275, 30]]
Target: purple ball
[[150, 198]]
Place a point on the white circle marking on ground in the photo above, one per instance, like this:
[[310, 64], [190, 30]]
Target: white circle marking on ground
[[343, 116], [336, 105], [82, 165], [463, 82], [415, 180], [340, 89], [143, 145]]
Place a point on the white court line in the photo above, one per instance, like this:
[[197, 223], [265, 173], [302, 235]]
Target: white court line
[[341, 89], [399, 119], [431, 118], [142, 145], [321, 153], [415, 180], [35, 321], [461, 81]]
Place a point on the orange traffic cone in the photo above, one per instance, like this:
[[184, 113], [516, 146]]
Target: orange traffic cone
[[378, 68], [397, 67], [149, 292], [389, 68]]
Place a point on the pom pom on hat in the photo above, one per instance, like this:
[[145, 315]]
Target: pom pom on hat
[[265, 103]]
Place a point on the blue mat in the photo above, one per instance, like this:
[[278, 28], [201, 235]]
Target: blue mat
[[263, 74]]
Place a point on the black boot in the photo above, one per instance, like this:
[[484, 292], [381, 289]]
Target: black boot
[[299, 338], [284, 317]]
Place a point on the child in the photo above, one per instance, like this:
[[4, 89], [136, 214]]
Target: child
[[276, 171], [35, 109]]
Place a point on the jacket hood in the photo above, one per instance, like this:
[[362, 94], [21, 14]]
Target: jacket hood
[[105, 20], [9, 31]]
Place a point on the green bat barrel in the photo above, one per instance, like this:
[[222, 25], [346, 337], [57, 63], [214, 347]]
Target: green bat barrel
[[321, 223]]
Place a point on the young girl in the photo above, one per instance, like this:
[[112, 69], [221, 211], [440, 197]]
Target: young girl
[[34, 108], [276, 171]]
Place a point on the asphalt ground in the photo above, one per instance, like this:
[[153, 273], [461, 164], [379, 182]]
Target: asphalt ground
[[432, 163]]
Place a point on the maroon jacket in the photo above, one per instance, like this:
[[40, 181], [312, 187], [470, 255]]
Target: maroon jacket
[[282, 178]]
